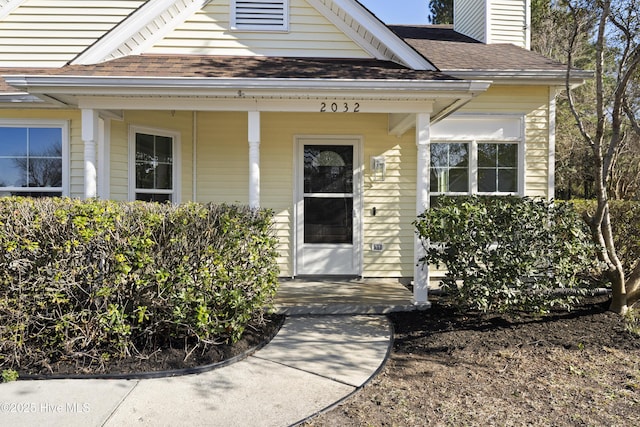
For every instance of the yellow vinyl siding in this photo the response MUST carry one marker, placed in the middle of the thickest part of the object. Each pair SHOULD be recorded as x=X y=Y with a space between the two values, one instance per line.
x=208 y=33
x=533 y=102
x=119 y=161
x=470 y=18
x=394 y=198
x=277 y=180
x=508 y=21
x=222 y=158
x=42 y=33
x=492 y=21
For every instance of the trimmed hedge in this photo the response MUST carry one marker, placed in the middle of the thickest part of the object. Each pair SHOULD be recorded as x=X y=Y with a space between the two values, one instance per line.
x=507 y=253
x=97 y=279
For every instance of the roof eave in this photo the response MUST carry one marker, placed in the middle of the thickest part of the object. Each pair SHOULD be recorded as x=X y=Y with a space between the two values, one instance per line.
x=19 y=98
x=196 y=85
x=529 y=77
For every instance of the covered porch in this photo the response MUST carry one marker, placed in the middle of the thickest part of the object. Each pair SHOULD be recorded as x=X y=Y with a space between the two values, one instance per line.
x=233 y=135
x=324 y=296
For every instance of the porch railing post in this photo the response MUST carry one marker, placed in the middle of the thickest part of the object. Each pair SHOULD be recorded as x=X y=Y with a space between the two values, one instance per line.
x=90 y=130
x=254 y=159
x=423 y=139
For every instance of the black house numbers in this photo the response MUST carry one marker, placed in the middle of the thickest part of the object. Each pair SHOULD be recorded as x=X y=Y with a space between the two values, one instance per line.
x=339 y=107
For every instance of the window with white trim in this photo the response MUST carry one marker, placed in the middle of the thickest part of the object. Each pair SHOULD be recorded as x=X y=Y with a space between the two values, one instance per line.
x=477 y=155
x=260 y=15
x=497 y=167
x=154 y=165
x=33 y=158
x=450 y=168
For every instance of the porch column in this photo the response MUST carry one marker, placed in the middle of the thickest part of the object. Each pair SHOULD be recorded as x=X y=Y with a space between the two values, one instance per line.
x=421 y=273
x=254 y=159
x=90 y=135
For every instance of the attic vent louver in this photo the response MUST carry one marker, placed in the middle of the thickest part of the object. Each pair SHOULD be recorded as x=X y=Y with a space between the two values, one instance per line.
x=260 y=15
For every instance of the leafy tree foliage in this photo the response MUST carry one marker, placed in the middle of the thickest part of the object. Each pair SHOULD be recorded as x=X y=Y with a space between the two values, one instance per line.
x=441 y=11
x=605 y=123
x=552 y=28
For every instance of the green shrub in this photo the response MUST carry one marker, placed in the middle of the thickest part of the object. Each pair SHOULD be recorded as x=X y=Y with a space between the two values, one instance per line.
x=506 y=253
x=9 y=375
x=101 y=279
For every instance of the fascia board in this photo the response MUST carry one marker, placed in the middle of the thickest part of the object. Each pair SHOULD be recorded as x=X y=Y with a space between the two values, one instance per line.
x=159 y=85
x=577 y=77
x=9 y=7
x=19 y=97
x=409 y=55
x=122 y=32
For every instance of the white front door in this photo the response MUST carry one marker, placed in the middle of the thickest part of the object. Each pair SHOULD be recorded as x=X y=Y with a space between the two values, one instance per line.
x=328 y=206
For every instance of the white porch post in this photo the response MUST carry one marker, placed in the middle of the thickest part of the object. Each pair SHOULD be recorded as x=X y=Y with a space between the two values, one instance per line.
x=421 y=273
x=254 y=159
x=90 y=134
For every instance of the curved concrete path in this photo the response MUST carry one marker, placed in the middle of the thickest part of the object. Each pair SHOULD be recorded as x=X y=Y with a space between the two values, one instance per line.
x=311 y=364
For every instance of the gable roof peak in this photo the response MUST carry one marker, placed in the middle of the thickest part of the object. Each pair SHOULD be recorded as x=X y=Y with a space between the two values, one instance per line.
x=147 y=24
x=156 y=19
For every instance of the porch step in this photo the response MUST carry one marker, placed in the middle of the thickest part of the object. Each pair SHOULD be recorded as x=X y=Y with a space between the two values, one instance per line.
x=330 y=297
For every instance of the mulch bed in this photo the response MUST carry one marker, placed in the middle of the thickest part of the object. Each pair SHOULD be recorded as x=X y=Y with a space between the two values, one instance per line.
x=451 y=369
x=165 y=361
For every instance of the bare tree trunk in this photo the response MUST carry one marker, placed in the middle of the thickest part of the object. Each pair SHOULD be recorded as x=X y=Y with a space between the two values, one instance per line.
x=633 y=286
x=608 y=132
x=603 y=234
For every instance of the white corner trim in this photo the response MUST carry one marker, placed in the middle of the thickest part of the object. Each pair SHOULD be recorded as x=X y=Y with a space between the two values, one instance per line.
x=131 y=25
x=527 y=32
x=551 y=192
x=409 y=56
x=8 y=6
x=488 y=28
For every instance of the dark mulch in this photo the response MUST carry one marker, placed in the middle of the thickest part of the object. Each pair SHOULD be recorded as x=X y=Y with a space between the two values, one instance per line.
x=177 y=357
x=452 y=369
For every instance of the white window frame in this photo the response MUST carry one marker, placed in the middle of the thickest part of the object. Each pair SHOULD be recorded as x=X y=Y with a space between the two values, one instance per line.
x=44 y=123
x=175 y=147
x=239 y=26
x=473 y=142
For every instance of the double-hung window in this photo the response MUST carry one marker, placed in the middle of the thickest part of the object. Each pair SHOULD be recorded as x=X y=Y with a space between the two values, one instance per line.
x=33 y=158
x=477 y=155
x=154 y=163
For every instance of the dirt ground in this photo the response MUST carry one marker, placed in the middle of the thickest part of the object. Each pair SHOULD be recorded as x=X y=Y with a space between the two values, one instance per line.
x=452 y=369
x=177 y=357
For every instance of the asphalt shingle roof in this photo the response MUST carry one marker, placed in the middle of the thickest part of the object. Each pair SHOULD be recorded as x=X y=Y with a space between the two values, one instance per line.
x=171 y=66
x=449 y=51
x=249 y=67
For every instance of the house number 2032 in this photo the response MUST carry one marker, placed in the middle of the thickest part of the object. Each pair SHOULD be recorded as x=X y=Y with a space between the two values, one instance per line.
x=339 y=107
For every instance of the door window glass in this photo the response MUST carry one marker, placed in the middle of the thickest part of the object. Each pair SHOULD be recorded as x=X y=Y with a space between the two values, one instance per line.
x=328 y=169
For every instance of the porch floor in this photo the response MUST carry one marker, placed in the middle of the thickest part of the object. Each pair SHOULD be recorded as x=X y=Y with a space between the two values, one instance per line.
x=298 y=297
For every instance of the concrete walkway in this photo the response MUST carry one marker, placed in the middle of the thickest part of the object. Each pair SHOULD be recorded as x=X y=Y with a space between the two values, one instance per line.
x=311 y=364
